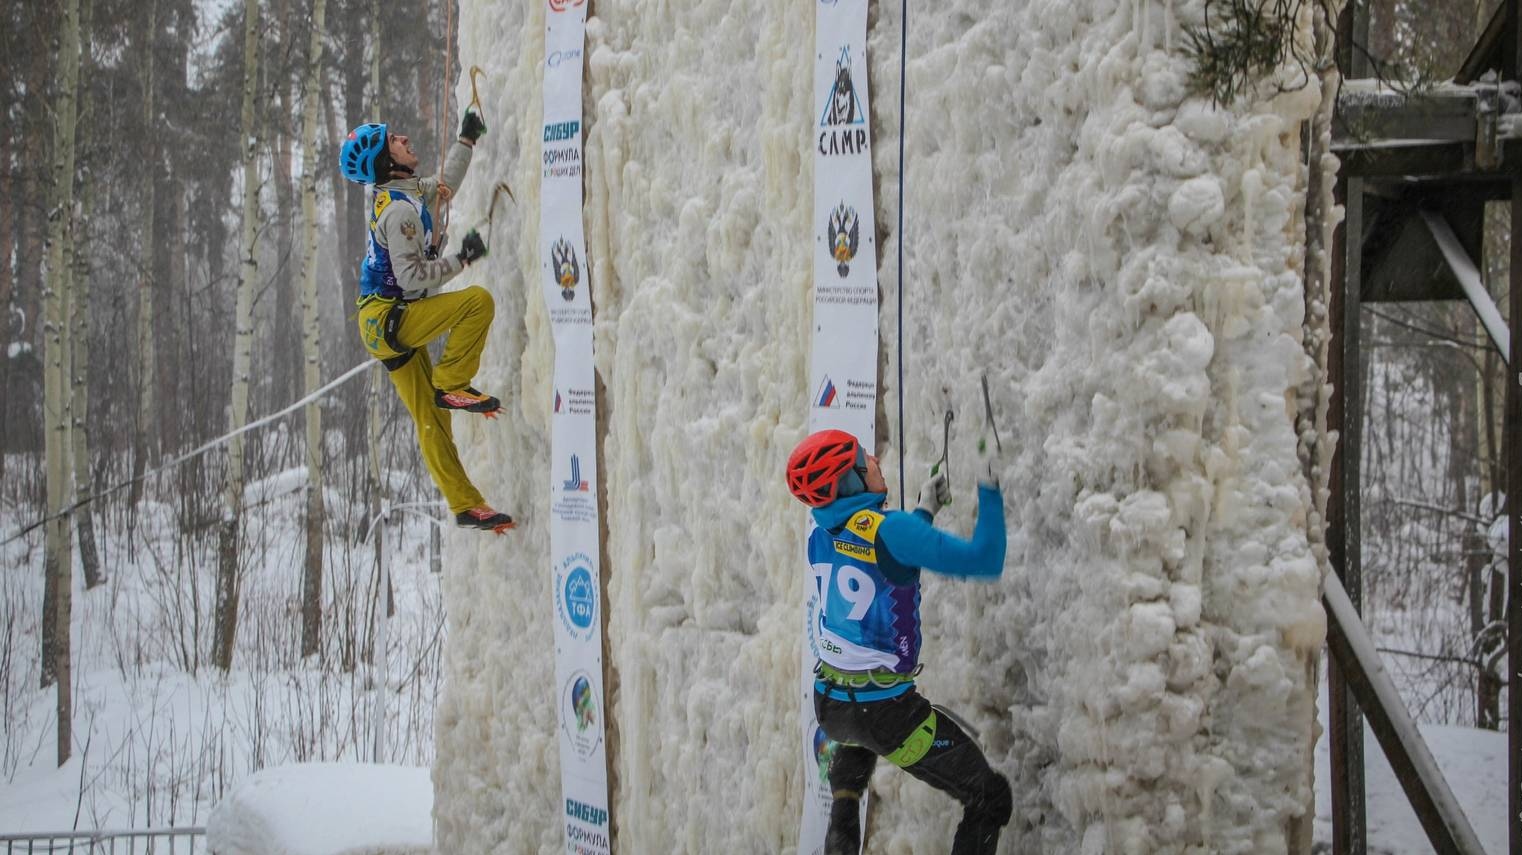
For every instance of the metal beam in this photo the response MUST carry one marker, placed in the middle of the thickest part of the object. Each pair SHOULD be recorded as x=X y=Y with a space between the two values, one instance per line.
x=1487 y=53
x=1349 y=832
x=1447 y=827
x=1469 y=279
x=1370 y=113
x=1512 y=443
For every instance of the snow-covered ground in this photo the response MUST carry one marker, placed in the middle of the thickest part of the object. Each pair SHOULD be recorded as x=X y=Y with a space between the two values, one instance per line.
x=159 y=735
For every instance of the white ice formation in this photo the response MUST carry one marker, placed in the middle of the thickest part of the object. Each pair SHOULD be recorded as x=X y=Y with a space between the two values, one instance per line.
x=1119 y=255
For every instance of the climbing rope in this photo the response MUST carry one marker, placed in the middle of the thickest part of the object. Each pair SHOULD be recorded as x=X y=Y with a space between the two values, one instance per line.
x=445 y=192
x=903 y=76
x=205 y=447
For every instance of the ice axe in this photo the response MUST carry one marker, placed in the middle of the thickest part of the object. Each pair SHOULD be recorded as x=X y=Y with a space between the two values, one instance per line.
x=944 y=464
x=988 y=413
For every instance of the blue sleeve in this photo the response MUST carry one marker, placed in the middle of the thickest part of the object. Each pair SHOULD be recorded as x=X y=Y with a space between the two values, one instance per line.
x=912 y=540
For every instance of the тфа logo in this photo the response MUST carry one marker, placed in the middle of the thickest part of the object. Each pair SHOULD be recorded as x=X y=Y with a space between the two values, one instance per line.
x=827 y=396
x=576 y=596
x=844 y=233
x=567 y=270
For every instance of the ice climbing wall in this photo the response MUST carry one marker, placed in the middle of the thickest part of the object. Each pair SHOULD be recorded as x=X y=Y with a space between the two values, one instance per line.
x=1121 y=258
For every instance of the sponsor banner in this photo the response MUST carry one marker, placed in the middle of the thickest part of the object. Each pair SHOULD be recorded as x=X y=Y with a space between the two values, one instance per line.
x=575 y=530
x=843 y=361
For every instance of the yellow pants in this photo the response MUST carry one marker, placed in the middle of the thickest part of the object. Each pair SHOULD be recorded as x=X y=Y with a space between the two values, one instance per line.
x=465 y=316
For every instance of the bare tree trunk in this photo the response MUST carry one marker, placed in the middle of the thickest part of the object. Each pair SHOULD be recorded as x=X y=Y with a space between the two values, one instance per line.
x=311 y=580
x=227 y=548
x=79 y=322
x=145 y=437
x=58 y=555
x=372 y=412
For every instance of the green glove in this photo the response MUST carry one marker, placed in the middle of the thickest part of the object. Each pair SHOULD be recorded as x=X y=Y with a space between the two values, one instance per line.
x=472 y=127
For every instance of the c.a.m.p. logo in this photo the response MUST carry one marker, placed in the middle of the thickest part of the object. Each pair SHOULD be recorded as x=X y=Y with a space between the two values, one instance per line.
x=843 y=126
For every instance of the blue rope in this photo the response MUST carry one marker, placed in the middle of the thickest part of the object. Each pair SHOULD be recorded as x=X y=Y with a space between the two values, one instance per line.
x=903 y=76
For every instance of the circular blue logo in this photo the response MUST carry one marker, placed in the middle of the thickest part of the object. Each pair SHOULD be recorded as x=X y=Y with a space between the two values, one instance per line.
x=580 y=598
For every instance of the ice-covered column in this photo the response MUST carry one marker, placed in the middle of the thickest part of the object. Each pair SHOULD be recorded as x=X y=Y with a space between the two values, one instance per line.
x=1119 y=255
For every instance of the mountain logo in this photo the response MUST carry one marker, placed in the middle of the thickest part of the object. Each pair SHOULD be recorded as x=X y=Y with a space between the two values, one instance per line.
x=843 y=107
x=558 y=401
x=827 y=396
x=844 y=232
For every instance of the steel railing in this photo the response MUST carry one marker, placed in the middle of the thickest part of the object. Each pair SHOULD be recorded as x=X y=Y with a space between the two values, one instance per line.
x=143 y=841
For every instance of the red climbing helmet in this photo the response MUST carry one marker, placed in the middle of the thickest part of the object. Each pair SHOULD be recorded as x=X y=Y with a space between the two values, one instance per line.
x=815 y=467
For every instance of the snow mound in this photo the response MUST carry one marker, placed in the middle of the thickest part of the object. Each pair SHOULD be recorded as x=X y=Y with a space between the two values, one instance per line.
x=326 y=809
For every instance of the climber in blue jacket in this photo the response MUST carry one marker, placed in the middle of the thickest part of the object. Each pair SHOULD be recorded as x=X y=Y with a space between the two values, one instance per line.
x=866 y=566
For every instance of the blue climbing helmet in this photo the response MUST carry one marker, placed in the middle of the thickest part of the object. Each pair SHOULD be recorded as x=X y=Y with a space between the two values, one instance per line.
x=359 y=152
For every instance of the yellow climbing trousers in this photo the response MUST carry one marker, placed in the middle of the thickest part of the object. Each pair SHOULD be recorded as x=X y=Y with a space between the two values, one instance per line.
x=464 y=316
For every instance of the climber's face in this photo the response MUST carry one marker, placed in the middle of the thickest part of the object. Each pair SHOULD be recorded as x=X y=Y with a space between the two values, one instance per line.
x=874 y=478
x=399 y=146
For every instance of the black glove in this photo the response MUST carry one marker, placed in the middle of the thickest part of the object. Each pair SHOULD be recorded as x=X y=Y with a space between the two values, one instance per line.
x=472 y=127
x=471 y=247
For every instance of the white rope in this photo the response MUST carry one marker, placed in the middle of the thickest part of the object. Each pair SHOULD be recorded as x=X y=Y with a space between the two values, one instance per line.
x=205 y=447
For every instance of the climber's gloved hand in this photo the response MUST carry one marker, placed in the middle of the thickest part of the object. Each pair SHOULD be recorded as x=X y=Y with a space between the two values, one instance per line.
x=472 y=247
x=934 y=494
x=472 y=127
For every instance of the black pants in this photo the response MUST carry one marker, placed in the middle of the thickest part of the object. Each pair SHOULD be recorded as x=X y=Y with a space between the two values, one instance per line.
x=954 y=764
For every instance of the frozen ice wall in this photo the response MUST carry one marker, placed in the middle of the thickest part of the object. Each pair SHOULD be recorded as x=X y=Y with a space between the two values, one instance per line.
x=1120 y=257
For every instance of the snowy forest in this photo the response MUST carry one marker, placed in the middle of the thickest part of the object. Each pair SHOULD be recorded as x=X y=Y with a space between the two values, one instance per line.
x=180 y=260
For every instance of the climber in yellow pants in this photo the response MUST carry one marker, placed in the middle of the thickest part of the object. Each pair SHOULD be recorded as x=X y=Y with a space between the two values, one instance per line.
x=397 y=315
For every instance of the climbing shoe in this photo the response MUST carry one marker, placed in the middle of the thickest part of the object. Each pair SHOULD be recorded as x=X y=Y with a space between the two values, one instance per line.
x=485 y=519
x=469 y=399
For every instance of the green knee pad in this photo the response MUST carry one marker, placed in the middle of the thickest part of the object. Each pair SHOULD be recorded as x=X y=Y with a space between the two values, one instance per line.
x=916 y=746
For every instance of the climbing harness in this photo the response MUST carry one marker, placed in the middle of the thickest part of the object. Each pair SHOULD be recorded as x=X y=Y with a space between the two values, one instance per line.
x=863 y=679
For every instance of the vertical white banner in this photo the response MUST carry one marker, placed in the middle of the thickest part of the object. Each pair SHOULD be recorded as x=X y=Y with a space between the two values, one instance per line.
x=575 y=531
x=843 y=365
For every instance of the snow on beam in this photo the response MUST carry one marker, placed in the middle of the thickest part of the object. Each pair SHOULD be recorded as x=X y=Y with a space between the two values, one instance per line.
x=1469 y=279
x=1431 y=799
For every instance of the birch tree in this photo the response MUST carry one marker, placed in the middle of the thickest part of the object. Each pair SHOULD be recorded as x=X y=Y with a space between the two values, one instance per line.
x=58 y=558
x=227 y=549
x=80 y=307
x=144 y=438
x=311 y=580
